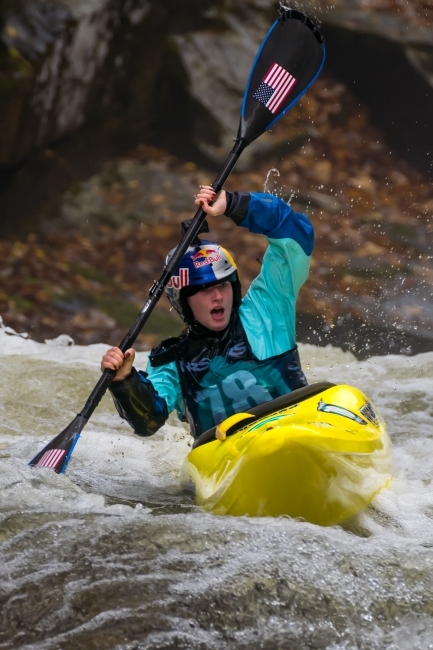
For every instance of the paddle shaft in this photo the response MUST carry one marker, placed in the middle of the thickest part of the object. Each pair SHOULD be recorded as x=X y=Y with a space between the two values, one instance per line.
x=158 y=286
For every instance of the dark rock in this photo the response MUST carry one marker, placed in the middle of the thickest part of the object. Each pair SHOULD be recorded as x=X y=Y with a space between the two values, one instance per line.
x=85 y=60
x=92 y=79
x=386 y=59
x=32 y=28
x=218 y=65
x=400 y=100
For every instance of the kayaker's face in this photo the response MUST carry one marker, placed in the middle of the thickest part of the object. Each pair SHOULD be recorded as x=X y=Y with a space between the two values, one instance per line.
x=212 y=306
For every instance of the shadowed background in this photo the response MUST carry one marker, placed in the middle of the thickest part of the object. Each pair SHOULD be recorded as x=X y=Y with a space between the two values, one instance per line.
x=113 y=112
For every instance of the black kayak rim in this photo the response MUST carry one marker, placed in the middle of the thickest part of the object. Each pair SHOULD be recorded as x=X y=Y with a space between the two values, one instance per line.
x=260 y=411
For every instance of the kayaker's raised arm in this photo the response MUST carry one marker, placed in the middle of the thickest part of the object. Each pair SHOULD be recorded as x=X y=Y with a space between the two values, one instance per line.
x=260 y=213
x=268 y=311
x=269 y=215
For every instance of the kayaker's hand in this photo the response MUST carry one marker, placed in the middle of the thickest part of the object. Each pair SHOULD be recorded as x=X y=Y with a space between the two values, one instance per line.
x=114 y=359
x=207 y=194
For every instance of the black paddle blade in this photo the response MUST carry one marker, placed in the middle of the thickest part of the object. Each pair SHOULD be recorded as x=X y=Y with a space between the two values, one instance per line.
x=287 y=63
x=57 y=453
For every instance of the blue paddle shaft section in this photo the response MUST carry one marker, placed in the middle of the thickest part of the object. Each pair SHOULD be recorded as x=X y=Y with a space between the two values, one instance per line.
x=69 y=454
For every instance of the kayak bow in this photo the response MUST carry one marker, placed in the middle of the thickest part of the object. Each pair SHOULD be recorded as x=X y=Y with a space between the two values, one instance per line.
x=321 y=459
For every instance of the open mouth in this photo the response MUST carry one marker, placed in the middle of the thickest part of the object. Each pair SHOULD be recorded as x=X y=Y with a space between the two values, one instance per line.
x=217 y=313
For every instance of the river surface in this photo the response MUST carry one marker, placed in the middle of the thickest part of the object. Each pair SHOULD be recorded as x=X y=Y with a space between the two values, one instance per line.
x=114 y=555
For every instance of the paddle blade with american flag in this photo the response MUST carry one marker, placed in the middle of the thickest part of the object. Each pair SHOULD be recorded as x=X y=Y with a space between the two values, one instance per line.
x=275 y=87
x=288 y=62
x=57 y=453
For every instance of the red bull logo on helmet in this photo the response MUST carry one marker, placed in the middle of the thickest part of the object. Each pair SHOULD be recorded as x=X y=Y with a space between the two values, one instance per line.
x=179 y=281
x=205 y=256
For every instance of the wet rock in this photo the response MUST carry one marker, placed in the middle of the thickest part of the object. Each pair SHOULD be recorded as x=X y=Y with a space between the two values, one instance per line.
x=218 y=65
x=81 y=61
x=112 y=74
x=65 y=47
x=32 y=28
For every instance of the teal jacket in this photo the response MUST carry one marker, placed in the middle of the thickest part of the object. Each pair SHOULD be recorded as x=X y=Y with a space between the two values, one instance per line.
x=267 y=312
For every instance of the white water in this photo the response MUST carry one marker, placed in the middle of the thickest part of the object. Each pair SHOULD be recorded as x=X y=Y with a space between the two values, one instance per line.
x=114 y=555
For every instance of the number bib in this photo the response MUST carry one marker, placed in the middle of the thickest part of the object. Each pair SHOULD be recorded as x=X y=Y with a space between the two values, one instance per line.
x=220 y=375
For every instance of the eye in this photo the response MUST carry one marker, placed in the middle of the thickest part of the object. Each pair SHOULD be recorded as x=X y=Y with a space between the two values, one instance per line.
x=220 y=285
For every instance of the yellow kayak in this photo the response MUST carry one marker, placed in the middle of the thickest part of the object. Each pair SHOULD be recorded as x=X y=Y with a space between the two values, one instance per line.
x=320 y=453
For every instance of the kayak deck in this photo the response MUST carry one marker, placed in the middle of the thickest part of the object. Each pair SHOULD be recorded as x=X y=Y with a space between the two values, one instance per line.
x=322 y=459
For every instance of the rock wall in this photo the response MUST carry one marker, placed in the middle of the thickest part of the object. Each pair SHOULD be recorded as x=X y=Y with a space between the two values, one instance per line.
x=69 y=63
x=83 y=81
x=383 y=51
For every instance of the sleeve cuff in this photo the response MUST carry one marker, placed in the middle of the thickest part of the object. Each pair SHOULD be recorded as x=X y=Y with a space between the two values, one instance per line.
x=238 y=204
x=118 y=388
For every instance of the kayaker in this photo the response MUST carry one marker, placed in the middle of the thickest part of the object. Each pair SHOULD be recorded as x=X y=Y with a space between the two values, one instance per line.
x=235 y=352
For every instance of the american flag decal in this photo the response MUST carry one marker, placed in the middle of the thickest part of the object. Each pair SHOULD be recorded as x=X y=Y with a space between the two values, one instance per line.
x=51 y=458
x=275 y=86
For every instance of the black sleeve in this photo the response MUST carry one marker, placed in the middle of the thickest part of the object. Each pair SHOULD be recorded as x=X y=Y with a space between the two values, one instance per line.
x=139 y=404
x=238 y=204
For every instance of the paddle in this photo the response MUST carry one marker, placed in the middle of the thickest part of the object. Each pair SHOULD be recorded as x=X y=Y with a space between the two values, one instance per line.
x=287 y=63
